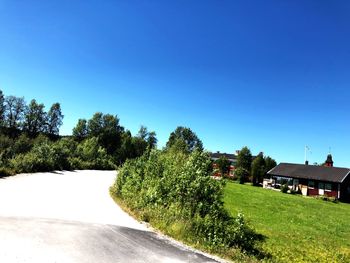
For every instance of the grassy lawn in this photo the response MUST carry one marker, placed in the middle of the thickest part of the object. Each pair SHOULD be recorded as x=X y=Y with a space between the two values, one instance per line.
x=297 y=228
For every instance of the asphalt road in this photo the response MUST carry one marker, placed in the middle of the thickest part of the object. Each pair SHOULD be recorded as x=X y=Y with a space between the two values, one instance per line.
x=70 y=217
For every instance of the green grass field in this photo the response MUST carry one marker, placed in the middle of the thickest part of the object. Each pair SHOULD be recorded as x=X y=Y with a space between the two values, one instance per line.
x=297 y=228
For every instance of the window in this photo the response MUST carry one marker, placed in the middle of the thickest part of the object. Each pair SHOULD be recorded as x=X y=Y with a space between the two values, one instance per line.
x=311 y=184
x=328 y=187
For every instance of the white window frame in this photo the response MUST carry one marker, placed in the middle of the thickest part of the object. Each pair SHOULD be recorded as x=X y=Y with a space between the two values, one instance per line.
x=313 y=183
x=328 y=189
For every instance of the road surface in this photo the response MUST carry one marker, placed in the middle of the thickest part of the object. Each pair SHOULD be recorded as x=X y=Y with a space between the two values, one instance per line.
x=70 y=217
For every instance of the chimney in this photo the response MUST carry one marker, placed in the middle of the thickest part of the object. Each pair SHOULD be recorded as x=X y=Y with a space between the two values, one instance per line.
x=306 y=162
x=329 y=161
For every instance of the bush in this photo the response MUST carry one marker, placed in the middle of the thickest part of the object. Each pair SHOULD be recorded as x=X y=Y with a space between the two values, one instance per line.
x=39 y=159
x=284 y=188
x=174 y=191
x=90 y=155
x=242 y=175
x=4 y=172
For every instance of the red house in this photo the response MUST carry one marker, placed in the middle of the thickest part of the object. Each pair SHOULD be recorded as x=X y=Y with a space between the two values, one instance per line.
x=314 y=180
x=232 y=158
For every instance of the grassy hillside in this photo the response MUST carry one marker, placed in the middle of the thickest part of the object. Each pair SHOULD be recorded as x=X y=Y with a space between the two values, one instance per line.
x=297 y=229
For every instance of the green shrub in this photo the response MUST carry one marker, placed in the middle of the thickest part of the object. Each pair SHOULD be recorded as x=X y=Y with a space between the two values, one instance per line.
x=284 y=188
x=294 y=192
x=242 y=175
x=174 y=191
x=4 y=172
x=90 y=155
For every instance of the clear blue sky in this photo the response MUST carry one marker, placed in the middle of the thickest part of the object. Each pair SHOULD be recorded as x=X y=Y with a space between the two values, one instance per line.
x=272 y=75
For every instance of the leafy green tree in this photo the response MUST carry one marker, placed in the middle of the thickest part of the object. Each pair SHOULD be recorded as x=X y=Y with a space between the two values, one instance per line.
x=80 y=131
x=269 y=164
x=143 y=132
x=107 y=129
x=54 y=119
x=152 y=140
x=34 y=118
x=126 y=149
x=184 y=138
x=223 y=165
x=242 y=174
x=148 y=137
x=14 y=111
x=258 y=169
x=93 y=155
x=22 y=144
x=2 y=109
x=244 y=159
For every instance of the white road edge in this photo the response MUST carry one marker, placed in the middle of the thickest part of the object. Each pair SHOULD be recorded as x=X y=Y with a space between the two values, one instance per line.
x=81 y=196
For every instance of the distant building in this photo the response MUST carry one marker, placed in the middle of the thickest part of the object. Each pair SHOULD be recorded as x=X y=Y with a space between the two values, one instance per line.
x=314 y=180
x=232 y=158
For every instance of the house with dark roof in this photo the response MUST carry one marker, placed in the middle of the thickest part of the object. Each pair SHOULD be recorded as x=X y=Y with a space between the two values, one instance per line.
x=232 y=158
x=314 y=180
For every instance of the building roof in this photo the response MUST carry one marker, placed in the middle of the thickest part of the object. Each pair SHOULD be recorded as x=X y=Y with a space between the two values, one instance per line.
x=313 y=172
x=230 y=157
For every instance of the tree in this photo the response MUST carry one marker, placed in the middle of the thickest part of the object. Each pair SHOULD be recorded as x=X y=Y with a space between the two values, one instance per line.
x=107 y=129
x=269 y=164
x=152 y=140
x=258 y=169
x=148 y=137
x=241 y=174
x=126 y=149
x=223 y=165
x=80 y=131
x=110 y=136
x=185 y=137
x=14 y=111
x=143 y=132
x=54 y=119
x=2 y=109
x=244 y=159
x=34 y=118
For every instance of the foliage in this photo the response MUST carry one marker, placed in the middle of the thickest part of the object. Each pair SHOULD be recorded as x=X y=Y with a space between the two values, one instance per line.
x=241 y=174
x=16 y=117
x=297 y=228
x=80 y=131
x=175 y=192
x=258 y=169
x=39 y=159
x=54 y=119
x=223 y=165
x=92 y=155
x=2 y=108
x=185 y=139
x=244 y=159
x=4 y=172
x=34 y=118
x=269 y=163
x=30 y=141
x=284 y=188
x=14 y=112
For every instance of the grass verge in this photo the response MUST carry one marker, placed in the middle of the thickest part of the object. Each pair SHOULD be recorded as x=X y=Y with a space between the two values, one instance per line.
x=297 y=228
x=178 y=231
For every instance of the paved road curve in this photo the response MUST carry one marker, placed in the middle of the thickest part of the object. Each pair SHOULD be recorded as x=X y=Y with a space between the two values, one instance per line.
x=70 y=217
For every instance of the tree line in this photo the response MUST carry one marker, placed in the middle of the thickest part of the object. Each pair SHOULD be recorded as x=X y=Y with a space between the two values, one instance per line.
x=247 y=168
x=16 y=116
x=30 y=140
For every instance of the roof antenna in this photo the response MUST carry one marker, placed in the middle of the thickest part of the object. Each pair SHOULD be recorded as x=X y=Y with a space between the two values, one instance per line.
x=330 y=150
x=307 y=149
